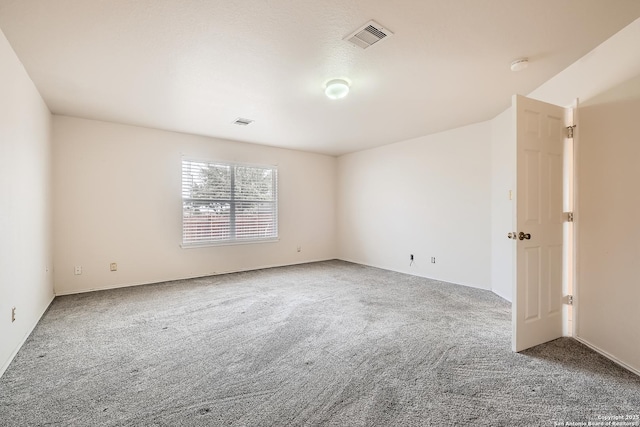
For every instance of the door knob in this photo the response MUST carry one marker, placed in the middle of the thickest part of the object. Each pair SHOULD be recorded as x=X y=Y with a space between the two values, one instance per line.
x=523 y=236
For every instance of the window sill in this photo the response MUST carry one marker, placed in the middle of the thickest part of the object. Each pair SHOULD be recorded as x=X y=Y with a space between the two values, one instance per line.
x=227 y=243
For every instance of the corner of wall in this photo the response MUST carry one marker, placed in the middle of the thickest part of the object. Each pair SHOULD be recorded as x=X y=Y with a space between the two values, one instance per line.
x=420 y=197
x=26 y=265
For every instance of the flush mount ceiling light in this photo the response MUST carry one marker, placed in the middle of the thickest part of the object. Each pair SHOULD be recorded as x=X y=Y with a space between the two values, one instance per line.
x=519 y=64
x=337 y=88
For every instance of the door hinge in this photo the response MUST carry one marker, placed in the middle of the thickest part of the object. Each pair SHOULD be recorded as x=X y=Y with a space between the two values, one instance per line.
x=570 y=131
x=568 y=299
x=568 y=216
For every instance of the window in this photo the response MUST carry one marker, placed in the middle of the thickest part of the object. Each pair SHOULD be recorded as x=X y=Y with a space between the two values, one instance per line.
x=228 y=203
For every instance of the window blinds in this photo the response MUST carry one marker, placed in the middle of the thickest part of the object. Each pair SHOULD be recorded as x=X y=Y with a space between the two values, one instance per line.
x=226 y=203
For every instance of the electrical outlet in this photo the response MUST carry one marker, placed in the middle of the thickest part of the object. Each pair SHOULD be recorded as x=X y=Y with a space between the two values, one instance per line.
x=77 y=270
x=411 y=257
x=433 y=260
x=299 y=248
x=113 y=266
x=13 y=314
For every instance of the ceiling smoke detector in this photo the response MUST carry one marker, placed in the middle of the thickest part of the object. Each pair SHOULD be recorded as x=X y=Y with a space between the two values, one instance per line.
x=367 y=35
x=519 y=64
x=242 y=122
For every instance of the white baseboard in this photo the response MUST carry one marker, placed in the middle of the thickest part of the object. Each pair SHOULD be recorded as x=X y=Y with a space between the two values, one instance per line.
x=24 y=339
x=504 y=297
x=173 y=279
x=608 y=356
x=438 y=279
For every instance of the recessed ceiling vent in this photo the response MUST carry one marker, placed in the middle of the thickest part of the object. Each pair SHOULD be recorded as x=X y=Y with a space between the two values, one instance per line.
x=368 y=35
x=242 y=122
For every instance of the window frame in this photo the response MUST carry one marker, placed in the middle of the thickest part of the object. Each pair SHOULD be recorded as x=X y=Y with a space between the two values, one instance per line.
x=232 y=201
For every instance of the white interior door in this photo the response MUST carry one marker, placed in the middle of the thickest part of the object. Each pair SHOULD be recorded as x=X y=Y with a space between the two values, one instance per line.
x=537 y=302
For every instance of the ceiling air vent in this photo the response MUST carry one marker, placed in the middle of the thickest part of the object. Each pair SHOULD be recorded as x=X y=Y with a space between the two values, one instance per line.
x=369 y=34
x=242 y=122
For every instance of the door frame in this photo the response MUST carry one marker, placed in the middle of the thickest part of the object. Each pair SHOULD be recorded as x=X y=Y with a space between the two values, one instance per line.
x=572 y=311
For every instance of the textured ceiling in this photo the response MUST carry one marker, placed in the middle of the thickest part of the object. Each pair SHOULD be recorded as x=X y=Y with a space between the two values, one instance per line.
x=196 y=65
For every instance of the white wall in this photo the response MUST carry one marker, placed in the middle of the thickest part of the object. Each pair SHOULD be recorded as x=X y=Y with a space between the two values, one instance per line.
x=615 y=61
x=25 y=204
x=609 y=234
x=503 y=179
x=429 y=196
x=117 y=198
